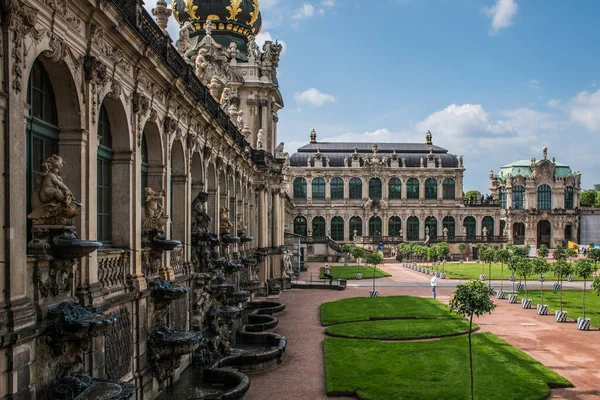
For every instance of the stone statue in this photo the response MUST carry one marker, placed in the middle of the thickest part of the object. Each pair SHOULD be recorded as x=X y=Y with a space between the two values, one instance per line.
x=200 y=63
x=225 y=98
x=345 y=161
x=403 y=162
x=421 y=162
x=308 y=161
x=355 y=232
x=484 y=232
x=286 y=164
x=226 y=224
x=505 y=232
x=445 y=232
x=260 y=140
x=427 y=239
x=184 y=43
x=460 y=161
x=200 y=219
x=246 y=132
x=440 y=161
x=545 y=152
x=233 y=111
x=464 y=231
x=208 y=27
x=232 y=51
x=154 y=217
x=241 y=227
x=214 y=87
x=401 y=233
x=52 y=203
x=253 y=49
x=279 y=150
x=240 y=119
x=287 y=264
x=327 y=162
x=367 y=204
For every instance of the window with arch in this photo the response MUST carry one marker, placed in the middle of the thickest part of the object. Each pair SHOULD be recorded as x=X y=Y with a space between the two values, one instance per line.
x=395 y=189
x=430 y=189
x=544 y=197
x=375 y=226
x=412 y=229
x=318 y=189
x=450 y=224
x=431 y=226
x=41 y=129
x=300 y=189
x=355 y=225
x=145 y=166
x=518 y=197
x=355 y=189
x=337 y=189
x=318 y=227
x=412 y=189
x=300 y=226
x=471 y=226
x=337 y=229
x=449 y=189
x=375 y=189
x=104 y=176
x=394 y=226
x=503 y=203
x=488 y=223
x=569 y=198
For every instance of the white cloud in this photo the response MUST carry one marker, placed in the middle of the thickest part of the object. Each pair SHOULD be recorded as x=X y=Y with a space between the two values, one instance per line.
x=328 y=3
x=264 y=36
x=314 y=97
x=307 y=10
x=268 y=4
x=585 y=110
x=502 y=14
x=533 y=84
x=554 y=103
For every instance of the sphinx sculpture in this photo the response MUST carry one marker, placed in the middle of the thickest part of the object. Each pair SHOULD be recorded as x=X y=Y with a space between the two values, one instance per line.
x=226 y=224
x=154 y=217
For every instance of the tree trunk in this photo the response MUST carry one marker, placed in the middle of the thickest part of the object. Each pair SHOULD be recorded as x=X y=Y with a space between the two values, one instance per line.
x=583 y=299
x=471 y=357
x=542 y=292
x=501 y=277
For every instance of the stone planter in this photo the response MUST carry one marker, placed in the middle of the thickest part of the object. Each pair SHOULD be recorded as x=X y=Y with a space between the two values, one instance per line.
x=482 y=277
x=512 y=298
x=374 y=293
x=520 y=286
x=437 y=274
x=358 y=276
x=571 y=278
x=526 y=303
x=500 y=295
x=561 y=316
x=557 y=286
x=541 y=278
x=512 y=278
x=583 y=324
x=542 y=309
x=443 y=275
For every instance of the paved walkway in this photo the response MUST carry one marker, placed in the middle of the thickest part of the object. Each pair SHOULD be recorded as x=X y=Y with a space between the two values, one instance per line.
x=571 y=353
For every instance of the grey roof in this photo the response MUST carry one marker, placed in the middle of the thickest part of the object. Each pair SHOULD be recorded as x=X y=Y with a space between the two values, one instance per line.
x=337 y=151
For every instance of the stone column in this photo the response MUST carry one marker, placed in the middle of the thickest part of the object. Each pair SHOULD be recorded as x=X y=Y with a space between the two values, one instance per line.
x=421 y=228
x=327 y=188
x=262 y=228
x=509 y=202
x=478 y=225
x=346 y=188
x=309 y=189
x=180 y=208
x=276 y=218
x=421 y=189
x=403 y=189
x=440 y=188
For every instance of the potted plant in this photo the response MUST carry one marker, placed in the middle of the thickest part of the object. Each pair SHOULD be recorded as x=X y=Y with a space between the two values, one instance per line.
x=561 y=269
x=444 y=252
x=358 y=253
x=524 y=268
x=374 y=259
x=346 y=249
x=584 y=268
x=540 y=267
x=513 y=267
x=502 y=256
x=462 y=247
x=483 y=256
x=472 y=299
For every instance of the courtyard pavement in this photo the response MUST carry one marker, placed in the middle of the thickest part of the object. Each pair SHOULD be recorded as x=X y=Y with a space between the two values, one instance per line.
x=561 y=347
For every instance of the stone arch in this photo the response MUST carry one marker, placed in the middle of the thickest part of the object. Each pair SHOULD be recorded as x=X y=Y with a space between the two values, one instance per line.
x=197 y=172
x=155 y=155
x=213 y=193
x=180 y=206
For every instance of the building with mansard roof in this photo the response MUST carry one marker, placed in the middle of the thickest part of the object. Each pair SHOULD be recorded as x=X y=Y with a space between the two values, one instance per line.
x=384 y=192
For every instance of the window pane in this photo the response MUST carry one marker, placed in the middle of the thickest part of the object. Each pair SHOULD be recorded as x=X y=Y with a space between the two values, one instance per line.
x=395 y=189
x=318 y=189
x=449 y=189
x=375 y=189
x=355 y=189
x=431 y=189
x=337 y=189
x=412 y=189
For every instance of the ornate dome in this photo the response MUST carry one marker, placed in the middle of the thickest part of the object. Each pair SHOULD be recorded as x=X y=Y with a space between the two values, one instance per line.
x=237 y=17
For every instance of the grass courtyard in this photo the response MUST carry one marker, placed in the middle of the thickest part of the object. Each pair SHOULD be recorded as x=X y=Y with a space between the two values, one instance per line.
x=434 y=369
x=571 y=302
x=349 y=272
x=472 y=271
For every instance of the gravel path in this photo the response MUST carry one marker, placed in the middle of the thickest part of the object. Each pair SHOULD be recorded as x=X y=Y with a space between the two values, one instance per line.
x=563 y=348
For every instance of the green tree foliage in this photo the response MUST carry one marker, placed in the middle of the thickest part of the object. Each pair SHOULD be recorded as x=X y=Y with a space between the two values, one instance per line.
x=540 y=267
x=374 y=259
x=347 y=248
x=469 y=299
x=524 y=268
x=462 y=247
x=501 y=256
x=473 y=192
x=357 y=252
x=543 y=251
x=559 y=254
x=561 y=268
x=588 y=198
x=584 y=268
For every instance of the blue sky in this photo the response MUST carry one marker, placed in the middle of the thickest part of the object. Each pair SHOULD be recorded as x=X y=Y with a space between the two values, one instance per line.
x=494 y=80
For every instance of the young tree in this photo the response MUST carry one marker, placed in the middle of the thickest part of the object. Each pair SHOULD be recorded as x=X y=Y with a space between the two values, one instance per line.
x=543 y=251
x=374 y=259
x=561 y=269
x=594 y=256
x=472 y=299
x=524 y=268
x=540 y=267
x=462 y=247
x=584 y=268
x=502 y=256
x=346 y=249
x=357 y=252
x=443 y=252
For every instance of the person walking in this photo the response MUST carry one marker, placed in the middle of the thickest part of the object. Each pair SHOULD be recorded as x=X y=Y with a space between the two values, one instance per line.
x=327 y=274
x=434 y=283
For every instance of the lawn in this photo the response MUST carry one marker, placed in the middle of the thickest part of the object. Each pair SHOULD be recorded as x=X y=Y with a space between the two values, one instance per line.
x=437 y=369
x=400 y=329
x=350 y=272
x=366 y=308
x=571 y=302
x=472 y=271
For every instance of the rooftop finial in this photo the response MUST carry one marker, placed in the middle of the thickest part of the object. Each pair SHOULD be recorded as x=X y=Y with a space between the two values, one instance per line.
x=545 y=152
x=313 y=136
x=428 y=138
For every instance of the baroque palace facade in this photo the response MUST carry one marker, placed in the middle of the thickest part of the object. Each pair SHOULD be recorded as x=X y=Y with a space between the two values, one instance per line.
x=142 y=127
x=395 y=192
